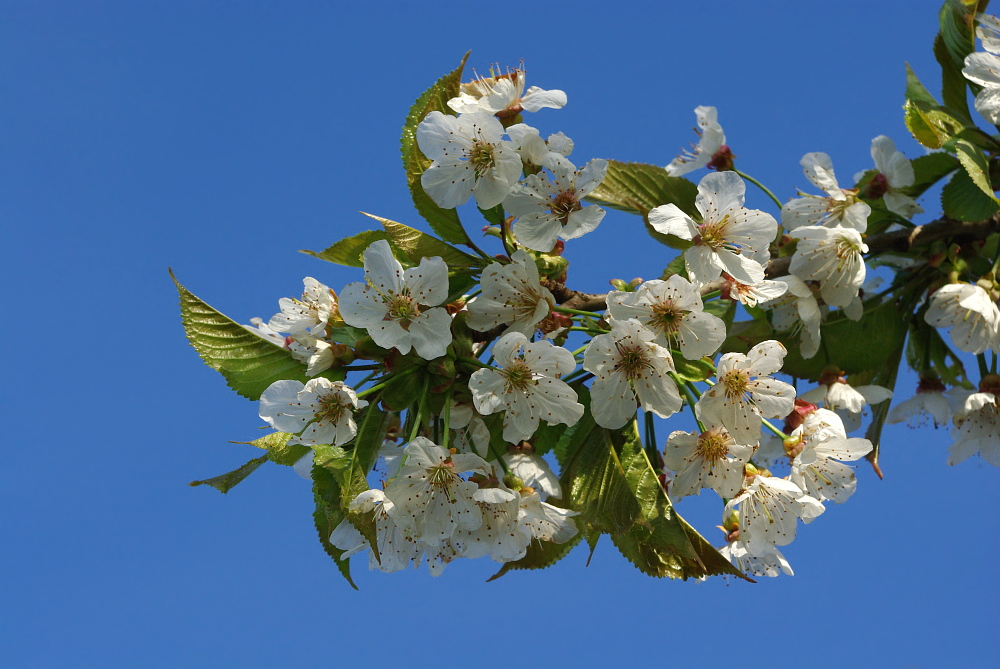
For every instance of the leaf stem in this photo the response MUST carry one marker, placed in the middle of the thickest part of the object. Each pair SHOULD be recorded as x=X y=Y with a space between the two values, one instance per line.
x=760 y=186
x=447 y=420
x=773 y=429
x=689 y=395
x=983 y=369
x=380 y=386
x=577 y=312
x=421 y=412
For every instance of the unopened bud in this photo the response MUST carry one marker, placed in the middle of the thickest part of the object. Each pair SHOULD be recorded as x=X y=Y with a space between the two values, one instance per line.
x=513 y=481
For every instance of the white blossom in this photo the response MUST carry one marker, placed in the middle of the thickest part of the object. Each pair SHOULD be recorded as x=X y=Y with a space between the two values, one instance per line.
x=470 y=158
x=630 y=368
x=894 y=172
x=768 y=511
x=745 y=392
x=771 y=562
x=710 y=459
x=512 y=296
x=396 y=548
x=711 y=138
x=321 y=410
x=549 y=209
x=834 y=257
x=503 y=95
x=399 y=309
x=307 y=316
x=977 y=430
x=545 y=522
x=797 y=311
x=816 y=469
x=984 y=69
x=534 y=472
x=674 y=312
x=970 y=313
x=840 y=207
x=527 y=386
x=730 y=237
x=262 y=330
x=534 y=150
x=929 y=400
x=835 y=393
x=749 y=295
x=430 y=500
x=316 y=353
x=500 y=536
x=471 y=433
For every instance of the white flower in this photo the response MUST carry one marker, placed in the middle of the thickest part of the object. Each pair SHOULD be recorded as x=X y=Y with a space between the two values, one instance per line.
x=471 y=433
x=770 y=562
x=988 y=32
x=469 y=159
x=834 y=392
x=711 y=459
x=316 y=353
x=895 y=172
x=395 y=546
x=392 y=305
x=534 y=472
x=630 y=368
x=970 y=313
x=729 y=239
x=261 y=329
x=840 y=207
x=984 y=69
x=977 y=429
x=750 y=295
x=500 y=535
x=503 y=95
x=929 y=400
x=549 y=209
x=393 y=455
x=534 y=150
x=797 y=311
x=512 y=295
x=544 y=521
x=745 y=391
x=430 y=499
x=674 y=312
x=322 y=410
x=769 y=509
x=824 y=441
x=307 y=316
x=834 y=257
x=527 y=386
x=711 y=139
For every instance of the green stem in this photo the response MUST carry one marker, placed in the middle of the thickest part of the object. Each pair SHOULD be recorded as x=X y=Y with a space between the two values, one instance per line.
x=577 y=312
x=366 y=379
x=709 y=296
x=406 y=372
x=983 y=369
x=505 y=238
x=598 y=331
x=772 y=428
x=473 y=361
x=421 y=412
x=689 y=396
x=760 y=186
x=581 y=349
x=503 y=463
x=472 y=245
x=447 y=420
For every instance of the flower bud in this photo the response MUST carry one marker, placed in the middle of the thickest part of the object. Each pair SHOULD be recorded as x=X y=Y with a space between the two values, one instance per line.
x=513 y=481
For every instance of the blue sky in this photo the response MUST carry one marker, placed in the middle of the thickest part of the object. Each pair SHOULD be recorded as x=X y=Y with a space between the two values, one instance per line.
x=219 y=138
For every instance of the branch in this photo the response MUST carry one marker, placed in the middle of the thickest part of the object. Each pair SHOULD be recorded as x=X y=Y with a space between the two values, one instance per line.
x=897 y=241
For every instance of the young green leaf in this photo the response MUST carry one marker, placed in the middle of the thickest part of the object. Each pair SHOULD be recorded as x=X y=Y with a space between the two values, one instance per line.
x=226 y=482
x=328 y=514
x=348 y=251
x=417 y=245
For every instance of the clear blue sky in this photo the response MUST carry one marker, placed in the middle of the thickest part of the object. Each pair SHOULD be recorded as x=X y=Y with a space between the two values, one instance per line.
x=219 y=138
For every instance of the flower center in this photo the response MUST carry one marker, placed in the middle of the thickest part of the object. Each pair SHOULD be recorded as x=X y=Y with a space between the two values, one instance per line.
x=667 y=317
x=518 y=377
x=631 y=360
x=442 y=474
x=712 y=445
x=402 y=308
x=481 y=157
x=330 y=410
x=713 y=235
x=736 y=383
x=564 y=204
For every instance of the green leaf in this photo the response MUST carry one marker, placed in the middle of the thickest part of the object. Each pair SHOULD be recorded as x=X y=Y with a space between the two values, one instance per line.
x=693 y=370
x=954 y=42
x=916 y=91
x=328 y=514
x=367 y=442
x=348 y=251
x=226 y=482
x=417 y=245
x=963 y=200
x=346 y=334
x=249 y=363
x=659 y=544
x=541 y=554
x=278 y=449
x=930 y=169
x=920 y=126
x=976 y=165
x=637 y=188
x=547 y=436
x=597 y=485
x=444 y=222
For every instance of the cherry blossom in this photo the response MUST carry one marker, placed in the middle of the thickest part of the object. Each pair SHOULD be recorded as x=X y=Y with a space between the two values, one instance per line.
x=470 y=158
x=769 y=509
x=544 y=521
x=977 y=430
x=984 y=68
x=534 y=472
x=835 y=258
x=839 y=208
x=547 y=210
x=306 y=316
x=797 y=311
x=711 y=139
x=971 y=314
x=770 y=562
x=526 y=387
x=396 y=548
x=834 y=392
x=730 y=237
x=504 y=96
x=711 y=459
x=630 y=368
x=674 y=312
x=745 y=392
x=929 y=400
x=750 y=295
x=500 y=536
x=535 y=151
x=399 y=309
x=893 y=173
x=512 y=296
x=321 y=410
x=824 y=441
